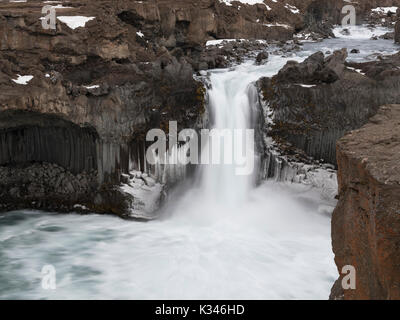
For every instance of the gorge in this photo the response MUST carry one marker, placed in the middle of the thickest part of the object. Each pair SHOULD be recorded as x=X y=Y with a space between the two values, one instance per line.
x=72 y=140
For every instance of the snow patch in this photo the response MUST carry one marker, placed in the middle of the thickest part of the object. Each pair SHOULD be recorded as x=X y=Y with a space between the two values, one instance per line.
x=385 y=10
x=251 y=2
x=145 y=193
x=293 y=9
x=357 y=70
x=23 y=79
x=307 y=85
x=74 y=22
x=92 y=87
x=220 y=41
x=277 y=25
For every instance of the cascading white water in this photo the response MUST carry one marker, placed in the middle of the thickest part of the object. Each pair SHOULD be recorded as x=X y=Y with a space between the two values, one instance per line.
x=219 y=239
x=232 y=106
x=230 y=110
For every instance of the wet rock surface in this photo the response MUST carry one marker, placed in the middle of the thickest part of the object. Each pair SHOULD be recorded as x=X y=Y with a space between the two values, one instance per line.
x=127 y=70
x=316 y=102
x=366 y=222
x=113 y=77
x=44 y=186
x=397 y=32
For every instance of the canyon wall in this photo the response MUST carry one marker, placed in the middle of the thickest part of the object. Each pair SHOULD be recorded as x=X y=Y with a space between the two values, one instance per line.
x=316 y=102
x=366 y=221
x=96 y=90
x=104 y=85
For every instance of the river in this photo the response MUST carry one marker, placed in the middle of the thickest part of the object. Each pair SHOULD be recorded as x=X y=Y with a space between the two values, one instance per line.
x=221 y=238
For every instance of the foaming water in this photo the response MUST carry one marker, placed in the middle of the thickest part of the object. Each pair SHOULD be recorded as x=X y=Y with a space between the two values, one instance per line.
x=277 y=246
x=220 y=238
x=358 y=32
x=232 y=99
x=359 y=38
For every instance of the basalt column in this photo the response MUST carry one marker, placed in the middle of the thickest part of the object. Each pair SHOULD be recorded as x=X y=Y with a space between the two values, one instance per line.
x=46 y=162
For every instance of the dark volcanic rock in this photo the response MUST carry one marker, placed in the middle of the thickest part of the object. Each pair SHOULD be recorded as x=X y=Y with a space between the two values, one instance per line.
x=315 y=102
x=366 y=221
x=126 y=71
x=312 y=70
x=44 y=186
x=262 y=57
x=94 y=94
x=397 y=32
x=226 y=53
x=388 y=36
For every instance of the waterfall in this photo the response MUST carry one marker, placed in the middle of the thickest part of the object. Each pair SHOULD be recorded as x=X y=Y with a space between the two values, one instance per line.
x=234 y=104
x=230 y=106
x=209 y=242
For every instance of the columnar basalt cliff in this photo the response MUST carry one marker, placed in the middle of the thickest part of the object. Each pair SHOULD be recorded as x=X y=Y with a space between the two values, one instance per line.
x=92 y=92
x=316 y=102
x=366 y=222
x=76 y=103
x=95 y=90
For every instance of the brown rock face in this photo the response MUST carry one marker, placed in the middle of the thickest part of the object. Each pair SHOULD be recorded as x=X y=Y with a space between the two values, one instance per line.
x=366 y=222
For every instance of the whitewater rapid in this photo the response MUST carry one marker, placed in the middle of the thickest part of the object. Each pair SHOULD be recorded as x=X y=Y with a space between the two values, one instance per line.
x=277 y=246
x=219 y=238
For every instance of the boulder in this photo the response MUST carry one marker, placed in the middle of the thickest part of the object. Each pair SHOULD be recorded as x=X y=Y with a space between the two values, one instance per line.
x=261 y=57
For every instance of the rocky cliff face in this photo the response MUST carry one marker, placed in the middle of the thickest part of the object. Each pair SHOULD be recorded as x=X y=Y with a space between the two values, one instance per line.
x=397 y=28
x=81 y=99
x=95 y=90
x=366 y=222
x=315 y=102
